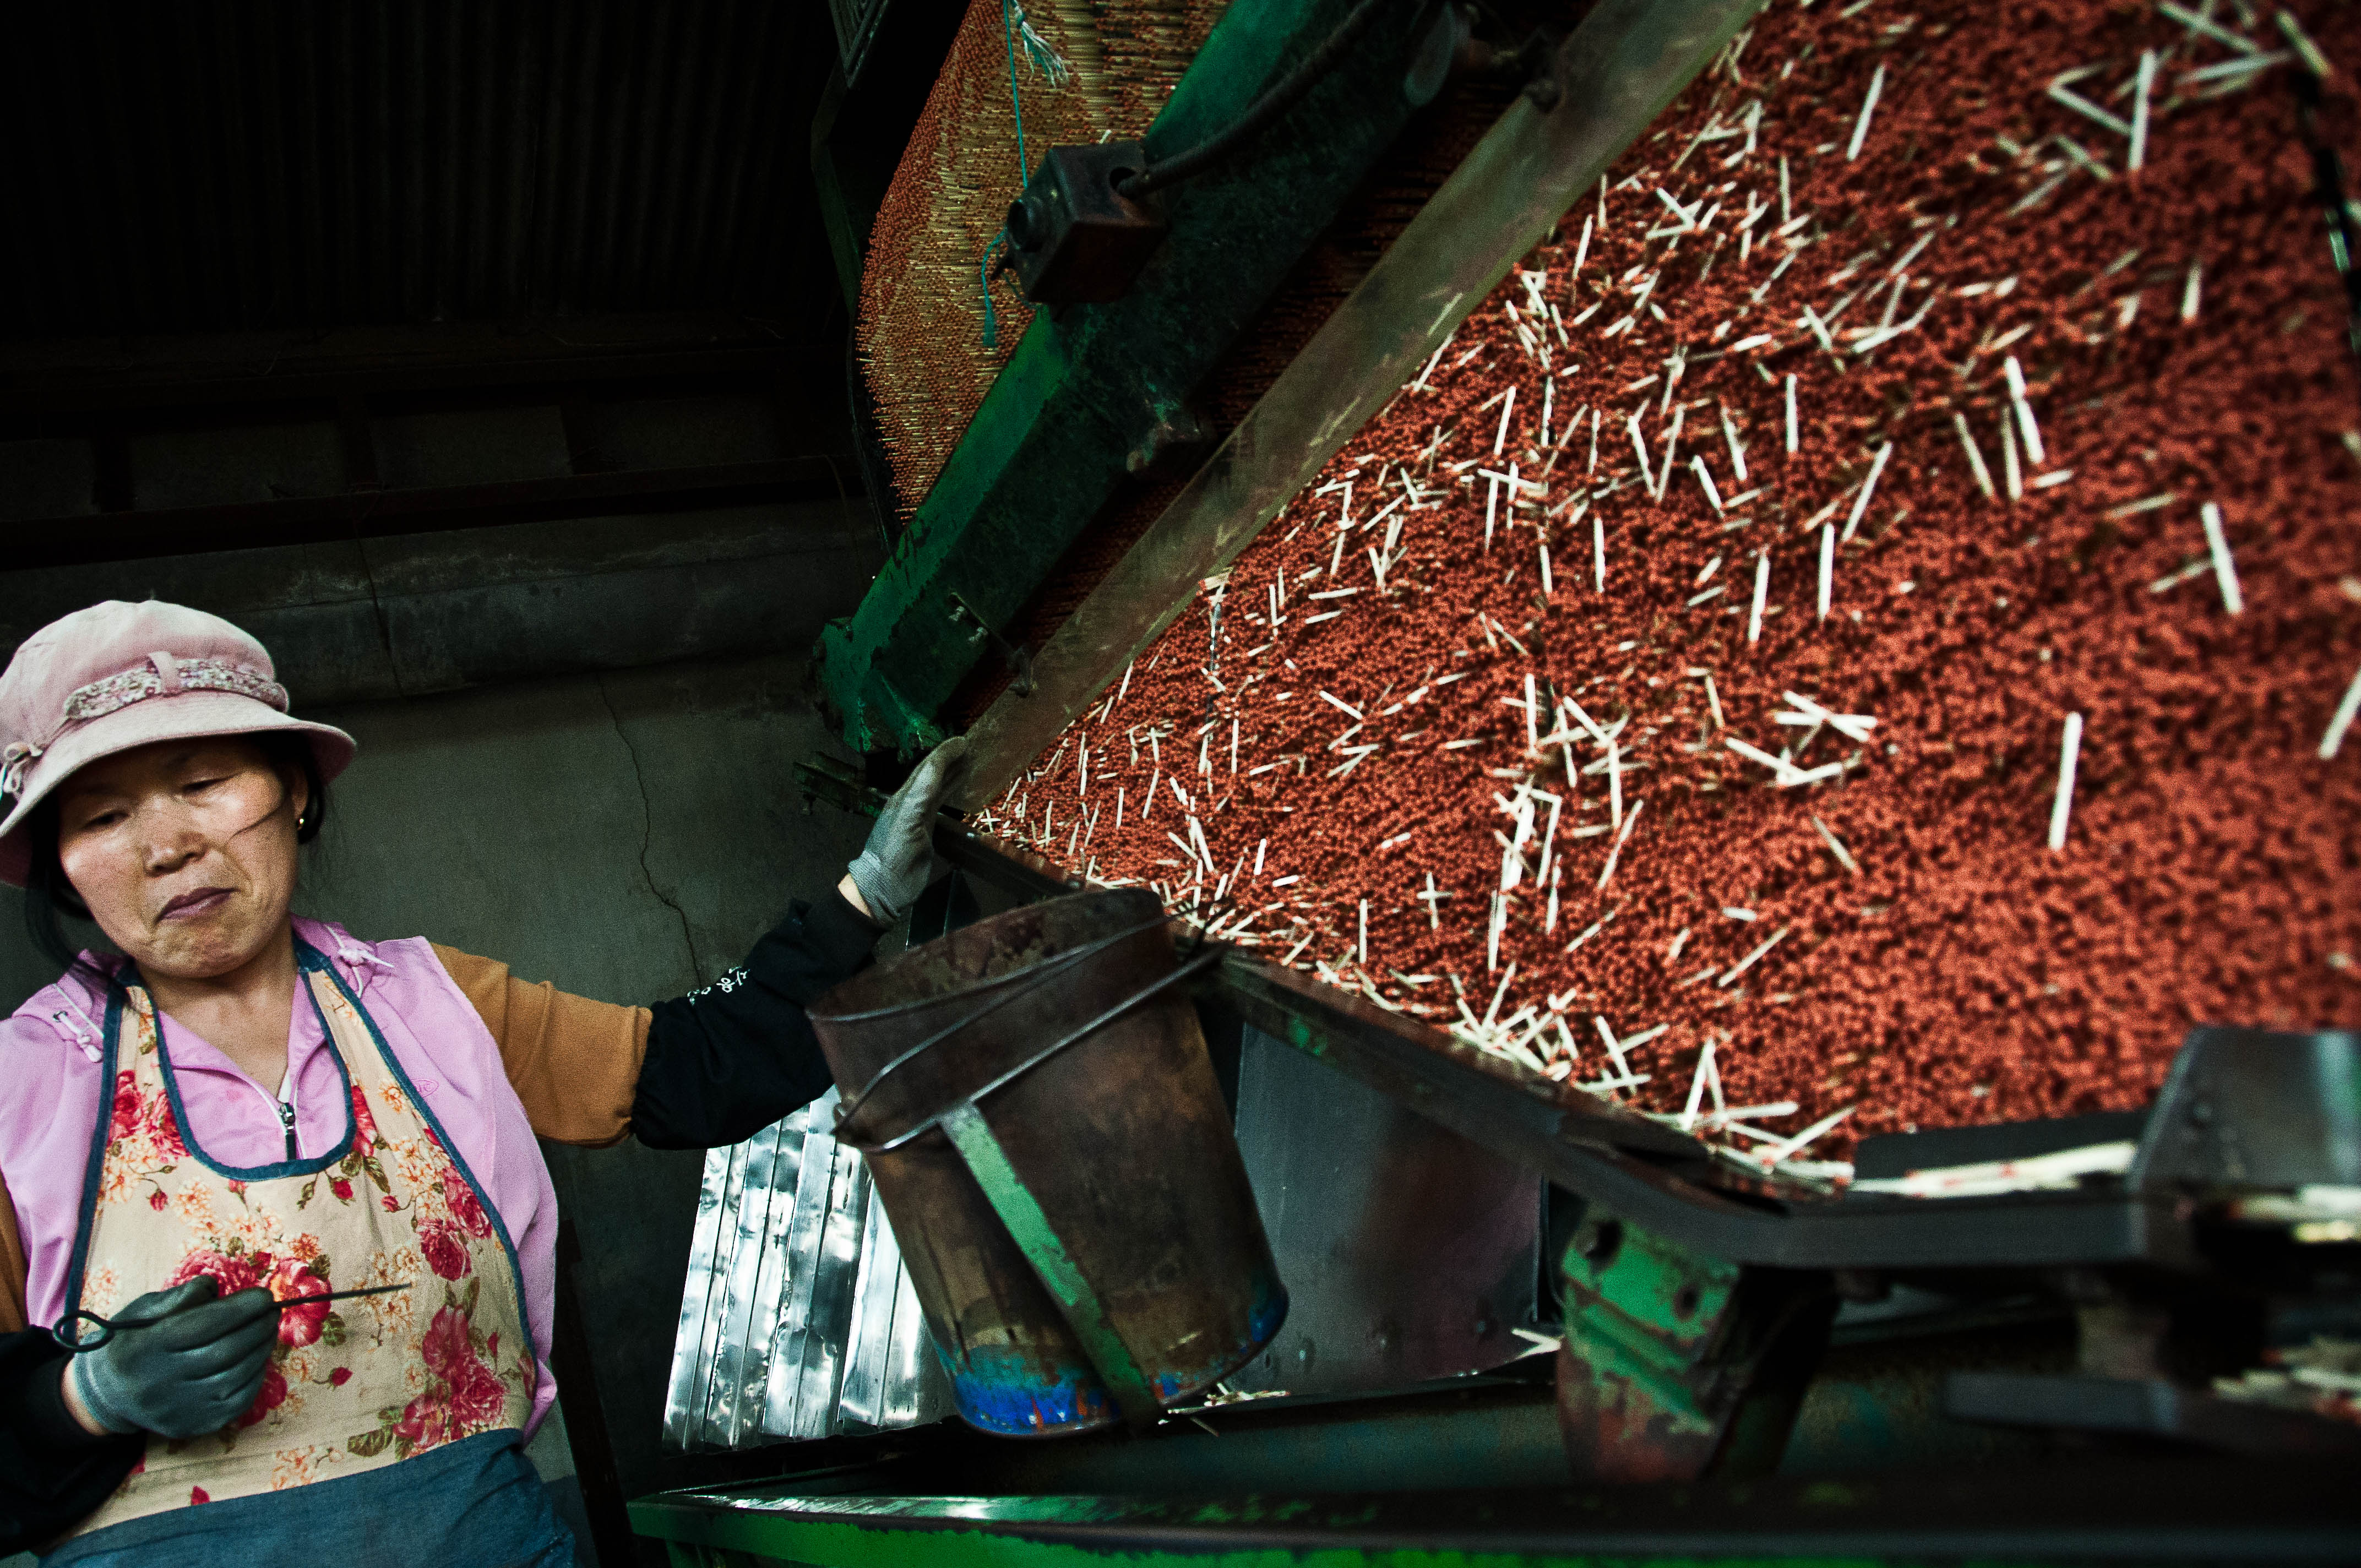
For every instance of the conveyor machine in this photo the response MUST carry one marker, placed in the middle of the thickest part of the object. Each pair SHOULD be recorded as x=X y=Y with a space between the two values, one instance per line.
x=1529 y=1325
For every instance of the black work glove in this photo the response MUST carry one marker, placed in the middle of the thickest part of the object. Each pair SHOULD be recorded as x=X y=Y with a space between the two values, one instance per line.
x=898 y=861
x=195 y=1370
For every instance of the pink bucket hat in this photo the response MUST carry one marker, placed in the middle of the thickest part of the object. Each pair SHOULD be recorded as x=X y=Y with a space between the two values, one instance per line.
x=117 y=675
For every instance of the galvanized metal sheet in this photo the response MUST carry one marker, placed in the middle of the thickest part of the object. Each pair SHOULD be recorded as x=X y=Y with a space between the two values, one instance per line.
x=727 y=1412
x=891 y=1377
x=772 y=1280
x=684 y=1390
x=862 y=1391
x=810 y=1196
x=725 y=1244
x=831 y=1202
x=788 y=1253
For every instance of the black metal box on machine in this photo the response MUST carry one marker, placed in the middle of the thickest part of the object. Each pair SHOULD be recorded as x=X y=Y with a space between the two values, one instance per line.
x=1076 y=237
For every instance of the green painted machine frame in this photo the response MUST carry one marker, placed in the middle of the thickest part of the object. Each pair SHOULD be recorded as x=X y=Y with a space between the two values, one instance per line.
x=2084 y=1515
x=1678 y=1365
x=1092 y=392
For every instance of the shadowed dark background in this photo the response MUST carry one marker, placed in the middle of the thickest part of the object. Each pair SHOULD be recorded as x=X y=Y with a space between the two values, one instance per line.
x=489 y=363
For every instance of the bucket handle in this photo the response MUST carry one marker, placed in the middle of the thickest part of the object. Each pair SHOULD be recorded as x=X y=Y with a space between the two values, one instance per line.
x=1041 y=974
x=1020 y=1212
x=1203 y=960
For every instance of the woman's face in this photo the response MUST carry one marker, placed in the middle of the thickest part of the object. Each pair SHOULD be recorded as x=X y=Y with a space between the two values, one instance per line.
x=184 y=852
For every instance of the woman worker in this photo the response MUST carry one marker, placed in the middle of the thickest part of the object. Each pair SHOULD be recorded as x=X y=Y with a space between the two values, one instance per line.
x=211 y=1139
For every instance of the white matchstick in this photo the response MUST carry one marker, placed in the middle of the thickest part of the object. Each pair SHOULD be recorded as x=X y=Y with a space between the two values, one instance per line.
x=2342 y=721
x=2138 y=154
x=1868 y=107
x=1868 y=488
x=2225 y=571
x=2068 y=751
x=1975 y=456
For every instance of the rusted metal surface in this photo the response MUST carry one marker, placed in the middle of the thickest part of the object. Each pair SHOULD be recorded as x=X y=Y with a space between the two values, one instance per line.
x=1122 y=1145
x=1472 y=1091
x=1615 y=72
x=1675 y=1364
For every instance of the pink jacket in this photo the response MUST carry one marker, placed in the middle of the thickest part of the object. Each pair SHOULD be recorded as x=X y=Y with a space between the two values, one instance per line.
x=50 y=1053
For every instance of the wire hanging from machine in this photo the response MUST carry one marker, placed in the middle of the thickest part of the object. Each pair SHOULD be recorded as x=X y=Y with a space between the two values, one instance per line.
x=1018 y=29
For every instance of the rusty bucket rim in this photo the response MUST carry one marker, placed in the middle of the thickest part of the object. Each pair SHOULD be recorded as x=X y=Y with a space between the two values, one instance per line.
x=989 y=983
x=972 y=1100
x=1036 y=976
x=1033 y=976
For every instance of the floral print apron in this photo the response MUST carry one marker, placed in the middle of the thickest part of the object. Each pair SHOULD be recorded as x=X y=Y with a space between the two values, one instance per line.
x=352 y=1386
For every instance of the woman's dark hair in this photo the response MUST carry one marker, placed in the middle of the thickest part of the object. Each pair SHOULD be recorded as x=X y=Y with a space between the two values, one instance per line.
x=48 y=894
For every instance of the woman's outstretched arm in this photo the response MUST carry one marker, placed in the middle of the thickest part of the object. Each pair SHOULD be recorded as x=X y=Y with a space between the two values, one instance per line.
x=711 y=1067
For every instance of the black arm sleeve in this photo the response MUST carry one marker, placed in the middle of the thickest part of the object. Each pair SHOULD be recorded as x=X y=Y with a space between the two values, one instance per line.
x=725 y=1061
x=51 y=1472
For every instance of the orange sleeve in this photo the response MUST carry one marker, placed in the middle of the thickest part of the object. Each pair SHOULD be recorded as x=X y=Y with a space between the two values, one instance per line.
x=13 y=1269
x=574 y=1062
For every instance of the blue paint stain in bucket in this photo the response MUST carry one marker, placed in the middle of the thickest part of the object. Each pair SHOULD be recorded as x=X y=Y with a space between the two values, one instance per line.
x=1006 y=1393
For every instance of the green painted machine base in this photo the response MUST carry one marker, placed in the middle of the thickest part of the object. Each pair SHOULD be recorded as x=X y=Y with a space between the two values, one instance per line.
x=2147 y=1515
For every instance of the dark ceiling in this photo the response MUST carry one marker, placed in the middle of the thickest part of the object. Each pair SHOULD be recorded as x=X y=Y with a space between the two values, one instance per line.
x=190 y=168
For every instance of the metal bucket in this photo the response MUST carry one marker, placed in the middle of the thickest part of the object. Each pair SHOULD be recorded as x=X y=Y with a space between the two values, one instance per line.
x=1045 y=1129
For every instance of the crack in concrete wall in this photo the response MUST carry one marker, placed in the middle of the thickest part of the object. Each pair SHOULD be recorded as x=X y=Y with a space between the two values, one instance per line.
x=647 y=835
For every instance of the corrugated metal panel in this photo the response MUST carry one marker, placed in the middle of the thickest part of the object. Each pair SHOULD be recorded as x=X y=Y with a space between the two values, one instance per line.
x=798 y=1318
x=183 y=168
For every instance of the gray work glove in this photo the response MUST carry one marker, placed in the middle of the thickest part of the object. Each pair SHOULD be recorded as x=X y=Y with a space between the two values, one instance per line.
x=194 y=1371
x=898 y=861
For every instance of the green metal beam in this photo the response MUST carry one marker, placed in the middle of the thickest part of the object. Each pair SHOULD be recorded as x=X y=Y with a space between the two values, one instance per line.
x=1087 y=1530
x=1049 y=447
x=2082 y=1510
x=1616 y=74
x=1676 y=1363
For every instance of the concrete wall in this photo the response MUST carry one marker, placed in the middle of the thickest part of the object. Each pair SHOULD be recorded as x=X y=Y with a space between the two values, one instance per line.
x=352 y=612
x=349 y=620
x=626 y=835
